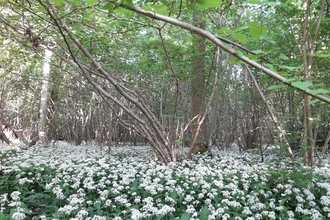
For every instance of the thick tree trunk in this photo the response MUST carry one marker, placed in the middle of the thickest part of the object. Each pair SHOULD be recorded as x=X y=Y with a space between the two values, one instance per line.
x=198 y=104
x=42 y=123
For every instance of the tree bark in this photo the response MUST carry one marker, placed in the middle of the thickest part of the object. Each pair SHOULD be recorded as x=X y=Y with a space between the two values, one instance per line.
x=198 y=103
x=307 y=50
x=42 y=122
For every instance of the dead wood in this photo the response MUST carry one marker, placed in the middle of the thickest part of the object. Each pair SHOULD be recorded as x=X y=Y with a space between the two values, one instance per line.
x=18 y=134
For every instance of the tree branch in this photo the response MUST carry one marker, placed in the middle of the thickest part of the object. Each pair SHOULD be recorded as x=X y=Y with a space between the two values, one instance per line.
x=213 y=38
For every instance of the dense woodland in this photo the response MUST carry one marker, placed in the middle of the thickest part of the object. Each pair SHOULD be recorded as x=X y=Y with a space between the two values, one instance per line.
x=168 y=73
x=169 y=109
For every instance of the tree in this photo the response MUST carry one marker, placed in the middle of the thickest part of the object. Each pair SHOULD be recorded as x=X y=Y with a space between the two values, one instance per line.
x=44 y=94
x=103 y=58
x=198 y=91
x=309 y=134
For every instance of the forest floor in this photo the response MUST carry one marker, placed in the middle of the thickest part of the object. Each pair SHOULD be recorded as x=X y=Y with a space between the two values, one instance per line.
x=82 y=182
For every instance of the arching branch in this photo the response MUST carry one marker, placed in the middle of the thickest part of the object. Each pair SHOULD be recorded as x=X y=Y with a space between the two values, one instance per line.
x=215 y=39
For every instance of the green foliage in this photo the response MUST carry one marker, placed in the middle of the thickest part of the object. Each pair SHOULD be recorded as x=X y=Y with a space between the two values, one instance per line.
x=256 y=29
x=272 y=87
x=297 y=176
x=58 y=2
x=302 y=85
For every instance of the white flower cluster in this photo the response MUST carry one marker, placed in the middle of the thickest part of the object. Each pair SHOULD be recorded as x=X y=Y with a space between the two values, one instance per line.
x=88 y=185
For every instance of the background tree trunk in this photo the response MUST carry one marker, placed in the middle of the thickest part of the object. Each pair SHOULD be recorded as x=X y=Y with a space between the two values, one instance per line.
x=42 y=122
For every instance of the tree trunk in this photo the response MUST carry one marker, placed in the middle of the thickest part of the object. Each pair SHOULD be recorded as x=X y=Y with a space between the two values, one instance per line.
x=42 y=122
x=198 y=103
x=307 y=50
x=272 y=115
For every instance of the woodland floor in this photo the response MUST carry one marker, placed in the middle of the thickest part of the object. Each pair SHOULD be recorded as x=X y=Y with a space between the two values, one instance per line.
x=82 y=182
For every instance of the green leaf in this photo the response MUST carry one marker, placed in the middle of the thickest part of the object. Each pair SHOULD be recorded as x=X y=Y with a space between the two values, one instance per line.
x=322 y=55
x=91 y=2
x=289 y=67
x=226 y=30
x=108 y=6
x=319 y=91
x=314 y=101
x=269 y=66
x=185 y=216
x=204 y=213
x=205 y=4
x=233 y=60
x=290 y=80
x=173 y=195
x=301 y=85
x=258 y=51
x=319 y=85
x=159 y=9
x=240 y=53
x=240 y=38
x=283 y=57
x=267 y=38
x=272 y=87
x=284 y=74
x=128 y=3
x=256 y=29
x=58 y=2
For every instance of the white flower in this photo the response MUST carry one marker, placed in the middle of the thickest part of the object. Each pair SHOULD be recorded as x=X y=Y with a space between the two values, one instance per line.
x=208 y=201
x=300 y=199
x=121 y=199
x=279 y=208
x=316 y=214
x=189 y=198
x=81 y=214
x=18 y=216
x=67 y=209
x=137 y=199
x=271 y=215
x=58 y=192
x=290 y=214
x=280 y=186
x=24 y=180
x=165 y=209
x=15 y=195
x=3 y=198
x=136 y=214
x=97 y=217
x=247 y=211
x=258 y=206
x=226 y=216
x=190 y=209
x=325 y=200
